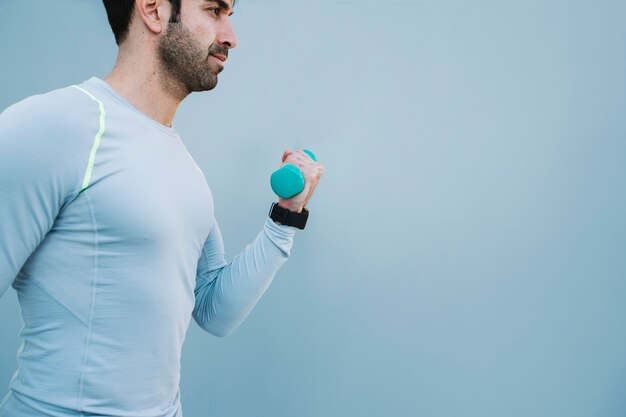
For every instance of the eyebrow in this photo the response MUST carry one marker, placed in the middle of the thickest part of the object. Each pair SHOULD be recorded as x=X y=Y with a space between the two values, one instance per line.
x=222 y=4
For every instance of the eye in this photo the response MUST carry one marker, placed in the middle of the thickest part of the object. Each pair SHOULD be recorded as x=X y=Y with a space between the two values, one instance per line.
x=215 y=10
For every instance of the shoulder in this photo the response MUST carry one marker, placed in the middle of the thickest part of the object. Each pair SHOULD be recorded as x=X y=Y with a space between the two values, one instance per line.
x=60 y=121
x=50 y=134
x=67 y=107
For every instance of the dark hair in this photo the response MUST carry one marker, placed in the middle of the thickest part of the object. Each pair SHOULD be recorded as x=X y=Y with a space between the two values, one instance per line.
x=120 y=13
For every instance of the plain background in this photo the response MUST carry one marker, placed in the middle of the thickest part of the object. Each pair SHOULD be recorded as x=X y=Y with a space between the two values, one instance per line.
x=466 y=252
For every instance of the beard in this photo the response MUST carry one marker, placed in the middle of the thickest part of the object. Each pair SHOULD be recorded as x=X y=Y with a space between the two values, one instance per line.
x=186 y=64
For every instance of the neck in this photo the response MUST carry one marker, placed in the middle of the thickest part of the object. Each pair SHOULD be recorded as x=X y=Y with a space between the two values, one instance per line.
x=142 y=82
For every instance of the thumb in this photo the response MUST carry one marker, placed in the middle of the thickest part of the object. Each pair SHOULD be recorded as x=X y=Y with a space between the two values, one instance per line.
x=286 y=154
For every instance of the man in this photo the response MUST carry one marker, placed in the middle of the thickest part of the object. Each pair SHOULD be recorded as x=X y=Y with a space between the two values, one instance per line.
x=108 y=232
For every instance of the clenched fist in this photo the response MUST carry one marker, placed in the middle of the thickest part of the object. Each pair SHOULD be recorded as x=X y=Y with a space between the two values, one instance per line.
x=312 y=172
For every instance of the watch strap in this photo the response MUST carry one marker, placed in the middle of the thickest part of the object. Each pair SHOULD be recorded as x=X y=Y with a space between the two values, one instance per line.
x=288 y=218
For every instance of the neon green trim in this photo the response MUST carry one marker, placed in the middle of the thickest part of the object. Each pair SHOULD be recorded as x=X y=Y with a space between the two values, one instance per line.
x=96 y=142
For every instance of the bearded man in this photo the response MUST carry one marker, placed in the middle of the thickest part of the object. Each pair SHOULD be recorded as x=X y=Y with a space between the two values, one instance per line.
x=108 y=230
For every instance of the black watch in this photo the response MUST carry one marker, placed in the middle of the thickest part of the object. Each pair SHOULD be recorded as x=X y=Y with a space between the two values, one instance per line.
x=289 y=218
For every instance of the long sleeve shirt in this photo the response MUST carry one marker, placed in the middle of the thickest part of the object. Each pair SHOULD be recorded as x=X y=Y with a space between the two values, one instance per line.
x=108 y=236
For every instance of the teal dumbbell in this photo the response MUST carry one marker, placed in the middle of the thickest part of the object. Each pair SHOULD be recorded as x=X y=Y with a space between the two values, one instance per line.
x=288 y=180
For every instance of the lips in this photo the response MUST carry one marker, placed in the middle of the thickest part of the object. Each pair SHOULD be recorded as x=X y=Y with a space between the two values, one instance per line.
x=220 y=57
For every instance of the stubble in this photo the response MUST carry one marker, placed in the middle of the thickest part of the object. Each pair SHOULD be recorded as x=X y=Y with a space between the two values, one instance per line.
x=186 y=65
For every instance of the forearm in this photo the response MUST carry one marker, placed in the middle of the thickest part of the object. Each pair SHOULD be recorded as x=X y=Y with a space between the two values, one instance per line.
x=226 y=295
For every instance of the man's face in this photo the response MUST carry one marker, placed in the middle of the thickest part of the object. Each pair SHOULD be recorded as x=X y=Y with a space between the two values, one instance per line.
x=193 y=49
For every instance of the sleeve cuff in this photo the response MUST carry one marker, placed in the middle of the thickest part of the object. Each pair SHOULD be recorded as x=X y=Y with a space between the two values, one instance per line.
x=280 y=230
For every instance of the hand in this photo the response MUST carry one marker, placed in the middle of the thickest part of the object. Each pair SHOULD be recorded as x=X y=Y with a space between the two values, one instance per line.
x=312 y=172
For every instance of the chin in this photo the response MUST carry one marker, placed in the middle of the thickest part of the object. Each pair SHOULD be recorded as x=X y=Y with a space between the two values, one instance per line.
x=204 y=86
x=207 y=81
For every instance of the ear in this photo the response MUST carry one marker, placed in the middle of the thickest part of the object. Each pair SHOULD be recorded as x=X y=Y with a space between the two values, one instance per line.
x=154 y=14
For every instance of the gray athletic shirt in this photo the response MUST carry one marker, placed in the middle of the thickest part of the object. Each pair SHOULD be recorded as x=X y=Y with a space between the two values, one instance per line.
x=108 y=236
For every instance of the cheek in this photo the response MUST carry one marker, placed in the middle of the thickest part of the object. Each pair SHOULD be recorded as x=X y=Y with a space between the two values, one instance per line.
x=204 y=32
x=205 y=39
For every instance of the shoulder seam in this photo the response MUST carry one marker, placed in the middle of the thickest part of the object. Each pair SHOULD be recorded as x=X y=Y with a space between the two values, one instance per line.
x=96 y=141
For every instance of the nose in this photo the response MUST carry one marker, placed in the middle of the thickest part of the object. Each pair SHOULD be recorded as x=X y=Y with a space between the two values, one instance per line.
x=226 y=35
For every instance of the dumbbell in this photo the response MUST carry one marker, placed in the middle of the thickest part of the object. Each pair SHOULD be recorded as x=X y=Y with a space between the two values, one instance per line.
x=288 y=180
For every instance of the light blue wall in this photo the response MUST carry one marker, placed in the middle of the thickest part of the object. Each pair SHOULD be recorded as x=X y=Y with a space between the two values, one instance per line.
x=466 y=254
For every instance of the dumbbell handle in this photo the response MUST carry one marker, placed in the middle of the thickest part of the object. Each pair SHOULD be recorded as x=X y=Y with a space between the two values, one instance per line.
x=288 y=181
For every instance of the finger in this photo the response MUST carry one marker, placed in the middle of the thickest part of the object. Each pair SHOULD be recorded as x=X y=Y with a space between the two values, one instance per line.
x=314 y=176
x=306 y=156
x=299 y=159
